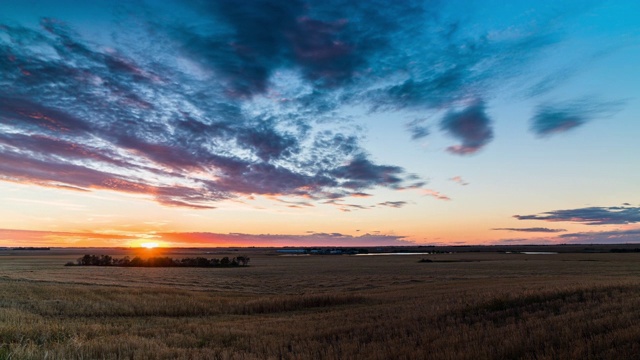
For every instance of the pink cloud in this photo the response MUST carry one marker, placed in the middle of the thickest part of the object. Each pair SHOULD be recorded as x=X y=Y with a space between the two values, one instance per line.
x=435 y=194
x=459 y=180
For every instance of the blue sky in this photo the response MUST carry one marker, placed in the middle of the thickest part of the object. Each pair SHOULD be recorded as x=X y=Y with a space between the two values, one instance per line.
x=421 y=122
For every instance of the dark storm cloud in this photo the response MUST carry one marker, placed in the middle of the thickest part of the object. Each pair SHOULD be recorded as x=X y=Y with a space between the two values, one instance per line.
x=533 y=229
x=471 y=126
x=590 y=215
x=556 y=118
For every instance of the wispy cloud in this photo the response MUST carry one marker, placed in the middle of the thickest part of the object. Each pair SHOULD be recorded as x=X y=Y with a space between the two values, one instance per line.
x=435 y=194
x=590 y=215
x=53 y=203
x=418 y=131
x=603 y=237
x=245 y=98
x=393 y=204
x=553 y=118
x=533 y=230
x=525 y=241
x=12 y=237
x=459 y=180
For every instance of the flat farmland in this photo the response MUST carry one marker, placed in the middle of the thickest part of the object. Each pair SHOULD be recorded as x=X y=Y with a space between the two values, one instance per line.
x=465 y=305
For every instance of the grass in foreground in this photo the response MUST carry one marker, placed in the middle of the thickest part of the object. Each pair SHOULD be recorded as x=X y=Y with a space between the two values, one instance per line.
x=485 y=309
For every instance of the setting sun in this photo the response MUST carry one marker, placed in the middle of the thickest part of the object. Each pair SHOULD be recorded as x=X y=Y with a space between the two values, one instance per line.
x=149 y=245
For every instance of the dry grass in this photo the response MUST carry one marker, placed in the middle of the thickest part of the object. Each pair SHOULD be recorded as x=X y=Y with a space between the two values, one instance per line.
x=498 y=306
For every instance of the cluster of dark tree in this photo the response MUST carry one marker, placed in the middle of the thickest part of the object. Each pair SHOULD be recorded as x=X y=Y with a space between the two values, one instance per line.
x=425 y=260
x=634 y=250
x=164 y=261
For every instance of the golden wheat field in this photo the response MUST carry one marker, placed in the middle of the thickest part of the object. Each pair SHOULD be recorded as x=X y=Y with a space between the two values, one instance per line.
x=485 y=305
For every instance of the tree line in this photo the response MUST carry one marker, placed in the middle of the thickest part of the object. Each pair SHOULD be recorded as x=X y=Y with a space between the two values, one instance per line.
x=161 y=261
x=635 y=250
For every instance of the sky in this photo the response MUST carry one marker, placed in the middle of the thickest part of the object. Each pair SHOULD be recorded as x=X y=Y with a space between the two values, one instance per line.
x=319 y=123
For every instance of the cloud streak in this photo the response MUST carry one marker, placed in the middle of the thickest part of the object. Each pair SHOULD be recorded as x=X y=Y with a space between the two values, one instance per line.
x=459 y=180
x=614 y=215
x=554 y=118
x=13 y=237
x=532 y=230
x=603 y=237
x=393 y=204
x=435 y=194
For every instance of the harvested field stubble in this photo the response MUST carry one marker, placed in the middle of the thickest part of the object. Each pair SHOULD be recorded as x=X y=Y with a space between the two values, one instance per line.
x=497 y=306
